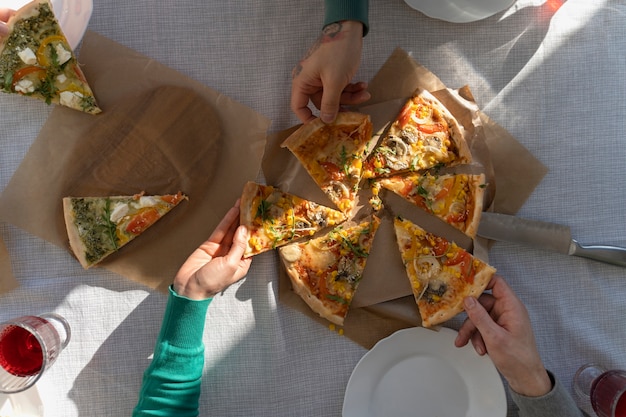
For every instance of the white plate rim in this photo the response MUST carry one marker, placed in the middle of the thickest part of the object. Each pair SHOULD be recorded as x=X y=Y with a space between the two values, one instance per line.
x=22 y=404
x=440 y=344
x=450 y=11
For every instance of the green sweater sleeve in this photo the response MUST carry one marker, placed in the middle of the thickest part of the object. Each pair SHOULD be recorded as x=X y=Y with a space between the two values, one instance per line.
x=337 y=10
x=171 y=383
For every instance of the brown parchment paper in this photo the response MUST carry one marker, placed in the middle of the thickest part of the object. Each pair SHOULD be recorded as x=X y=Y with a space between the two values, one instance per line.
x=160 y=132
x=7 y=279
x=384 y=302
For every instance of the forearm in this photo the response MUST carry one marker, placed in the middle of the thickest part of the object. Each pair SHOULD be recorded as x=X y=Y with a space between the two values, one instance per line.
x=556 y=403
x=171 y=383
x=339 y=10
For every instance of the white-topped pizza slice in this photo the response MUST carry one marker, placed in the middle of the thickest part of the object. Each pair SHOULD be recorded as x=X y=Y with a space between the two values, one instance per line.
x=37 y=61
x=99 y=226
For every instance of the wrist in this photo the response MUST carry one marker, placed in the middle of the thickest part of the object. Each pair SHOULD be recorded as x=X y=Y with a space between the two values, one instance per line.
x=189 y=290
x=534 y=384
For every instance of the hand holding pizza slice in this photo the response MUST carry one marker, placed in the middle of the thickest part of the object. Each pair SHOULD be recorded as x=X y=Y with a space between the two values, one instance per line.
x=441 y=274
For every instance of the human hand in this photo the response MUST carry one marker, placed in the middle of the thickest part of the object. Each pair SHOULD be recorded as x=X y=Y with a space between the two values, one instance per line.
x=217 y=263
x=324 y=74
x=5 y=14
x=500 y=326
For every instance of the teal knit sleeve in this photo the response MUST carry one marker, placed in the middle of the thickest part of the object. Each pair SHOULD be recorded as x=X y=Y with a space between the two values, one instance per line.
x=171 y=383
x=337 y=10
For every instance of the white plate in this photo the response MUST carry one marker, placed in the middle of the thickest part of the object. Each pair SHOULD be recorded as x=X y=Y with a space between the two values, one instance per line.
x=460 y=11
x=420 y=373
x=23 y=404
x=73 y=16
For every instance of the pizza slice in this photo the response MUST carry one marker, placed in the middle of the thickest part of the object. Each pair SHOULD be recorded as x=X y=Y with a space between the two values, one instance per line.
x=441 y=273
x=275 y=218
x=326 y=271
x=424 y=135
x=37 y=61
x=456 y=199
x=100 y=226
x=333 y=155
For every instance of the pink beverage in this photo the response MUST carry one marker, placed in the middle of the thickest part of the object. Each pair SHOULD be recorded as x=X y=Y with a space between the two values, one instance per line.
x=21 y=353
x=608 y=394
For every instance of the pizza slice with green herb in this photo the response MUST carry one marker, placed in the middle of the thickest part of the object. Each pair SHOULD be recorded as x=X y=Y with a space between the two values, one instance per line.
x=99 y=226
x=275 y=218
x=326 y=271
x=37 y=61
x=457 y=199
x=333 y=155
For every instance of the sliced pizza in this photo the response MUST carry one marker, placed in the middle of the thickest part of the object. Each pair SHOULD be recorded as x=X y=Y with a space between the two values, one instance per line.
x=275 y=218
x=424 y=135
x=36 y=60
x=99 y=226
x=441 y=274
x=333 y=154
x=456 y=199
x=326 y=271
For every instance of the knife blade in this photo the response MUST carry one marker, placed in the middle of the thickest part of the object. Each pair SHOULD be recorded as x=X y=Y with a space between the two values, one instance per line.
x=549 y=236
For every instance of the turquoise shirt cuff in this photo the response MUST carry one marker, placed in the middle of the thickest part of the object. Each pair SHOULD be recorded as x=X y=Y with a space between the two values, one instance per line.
x=183 y=320
x=338 y=10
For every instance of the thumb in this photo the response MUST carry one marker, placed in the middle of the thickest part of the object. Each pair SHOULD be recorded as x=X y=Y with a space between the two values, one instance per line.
x=481 y=319
x=239 y=243
x=329 y=107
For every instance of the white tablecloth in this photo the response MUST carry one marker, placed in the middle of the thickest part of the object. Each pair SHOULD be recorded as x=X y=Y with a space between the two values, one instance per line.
x=553 y=77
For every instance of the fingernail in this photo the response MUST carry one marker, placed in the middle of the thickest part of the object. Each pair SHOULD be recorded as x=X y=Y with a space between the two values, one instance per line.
x=327 y=117
x=469 y=302
x=479 y=349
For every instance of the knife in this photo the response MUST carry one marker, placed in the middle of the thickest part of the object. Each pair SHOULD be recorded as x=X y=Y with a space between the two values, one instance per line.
x=550 y=236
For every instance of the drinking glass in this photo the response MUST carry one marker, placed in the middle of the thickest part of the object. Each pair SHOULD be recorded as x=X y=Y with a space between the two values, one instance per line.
x=28 y=346
x=604 y=390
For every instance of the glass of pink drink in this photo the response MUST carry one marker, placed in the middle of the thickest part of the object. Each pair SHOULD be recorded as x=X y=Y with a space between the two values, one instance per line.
x=604 y=390
x=28 y=346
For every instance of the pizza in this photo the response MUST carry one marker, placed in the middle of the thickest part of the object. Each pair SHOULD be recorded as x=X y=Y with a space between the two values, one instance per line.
x=99 y=226
x=441 y=274
x=333 y=155
x=456 y=199
x=326 y=271
x=424 y=135
x=37 y=61
x=275 y=218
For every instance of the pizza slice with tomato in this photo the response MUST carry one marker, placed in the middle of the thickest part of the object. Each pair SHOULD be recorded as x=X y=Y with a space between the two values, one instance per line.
x=326 y=271
x=424 y=135
x=457 y=199
x=275 y=218
x=333 y=155
x=37 y=61
x=441 y=273
x=99 y=226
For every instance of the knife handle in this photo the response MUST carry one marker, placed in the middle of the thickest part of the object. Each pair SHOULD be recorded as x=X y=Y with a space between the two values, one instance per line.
x=608 y=254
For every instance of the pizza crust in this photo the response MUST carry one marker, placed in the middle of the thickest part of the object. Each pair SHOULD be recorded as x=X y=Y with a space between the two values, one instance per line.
x=290 y=255
x=300 y=136
x=481 y=280
x=76 y=243
x=477 y=185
